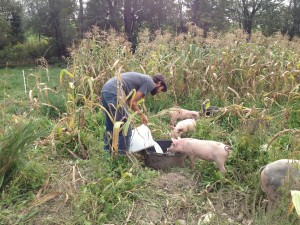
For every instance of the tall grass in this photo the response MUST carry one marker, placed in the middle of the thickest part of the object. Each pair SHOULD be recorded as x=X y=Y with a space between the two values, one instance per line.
x=13 y=145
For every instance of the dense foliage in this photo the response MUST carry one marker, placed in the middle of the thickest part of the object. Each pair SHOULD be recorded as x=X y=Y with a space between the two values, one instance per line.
x=69 y=179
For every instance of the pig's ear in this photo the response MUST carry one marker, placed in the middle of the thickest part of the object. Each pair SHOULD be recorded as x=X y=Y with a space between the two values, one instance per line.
x=174 y=140
x=172 y=127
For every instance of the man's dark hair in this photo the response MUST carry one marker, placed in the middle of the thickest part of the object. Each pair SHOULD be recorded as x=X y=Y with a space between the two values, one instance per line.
x=159 y=77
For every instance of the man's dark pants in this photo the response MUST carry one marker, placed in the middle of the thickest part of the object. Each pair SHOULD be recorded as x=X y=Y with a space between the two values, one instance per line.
x=109 y=102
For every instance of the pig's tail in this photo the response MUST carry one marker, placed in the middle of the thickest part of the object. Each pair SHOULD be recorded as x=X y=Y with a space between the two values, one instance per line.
x=227 y=148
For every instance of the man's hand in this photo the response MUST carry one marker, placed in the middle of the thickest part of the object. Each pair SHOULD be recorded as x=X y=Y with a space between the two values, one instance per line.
x=134 y=106
x=144 y=119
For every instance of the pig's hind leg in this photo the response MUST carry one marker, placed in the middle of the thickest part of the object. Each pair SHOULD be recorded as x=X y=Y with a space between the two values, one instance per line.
x=220 y=165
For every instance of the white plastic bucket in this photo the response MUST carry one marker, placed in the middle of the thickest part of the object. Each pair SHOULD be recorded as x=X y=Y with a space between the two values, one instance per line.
x=141 y=139
x=157 y=148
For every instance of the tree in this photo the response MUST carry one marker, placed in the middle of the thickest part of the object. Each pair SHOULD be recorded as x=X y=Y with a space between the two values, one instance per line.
x=156 y=14
x=292 y=22
x=104 y=14
x=208 y=14
x=270 y=19
x=15 y=20
x=247 y=10
x=5 y=31
x=201 y=14
x=53 y=19
x=36 y=14
x=11 y=23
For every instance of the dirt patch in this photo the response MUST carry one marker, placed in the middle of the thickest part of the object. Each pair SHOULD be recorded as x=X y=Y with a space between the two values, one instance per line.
x=165 y=200
x=173 y=182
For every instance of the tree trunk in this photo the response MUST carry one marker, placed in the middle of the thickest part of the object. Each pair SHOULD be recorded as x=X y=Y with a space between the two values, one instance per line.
x=159 y=14
x=181 y=27
x=128 y=18
x=112 y=14
x=54 y=12
x=205 y=30
x=247 y=23
x=247 y=26
x=196 y=12
x=248 y=17
x=80 y=19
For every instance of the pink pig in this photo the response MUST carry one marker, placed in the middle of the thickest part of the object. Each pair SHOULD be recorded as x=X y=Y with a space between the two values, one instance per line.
x=181 y=114
x=278 y=173
x=207 y=150
x=182 y=127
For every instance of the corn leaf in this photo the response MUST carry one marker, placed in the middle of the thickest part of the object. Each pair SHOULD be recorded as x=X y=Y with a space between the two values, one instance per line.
x=206 y=103
x=108 y=113
x=115 y=64
x=131 y=95
x=132 y=92
x=296 y=200
x=90 y=83
x=116 y=131
x=1 y=179
x=62 y=72
x=126 y=125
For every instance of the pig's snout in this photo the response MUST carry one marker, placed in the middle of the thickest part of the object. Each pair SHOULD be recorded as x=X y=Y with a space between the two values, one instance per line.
x=169 y=150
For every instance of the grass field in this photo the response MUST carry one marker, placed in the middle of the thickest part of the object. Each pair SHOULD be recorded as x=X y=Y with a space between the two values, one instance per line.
x=54 y=170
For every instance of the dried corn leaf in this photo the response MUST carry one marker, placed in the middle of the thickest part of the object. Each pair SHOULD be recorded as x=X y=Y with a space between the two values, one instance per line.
x=45 y=198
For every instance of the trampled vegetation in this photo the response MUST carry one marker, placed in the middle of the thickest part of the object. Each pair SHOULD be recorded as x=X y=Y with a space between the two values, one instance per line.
x=65 y=177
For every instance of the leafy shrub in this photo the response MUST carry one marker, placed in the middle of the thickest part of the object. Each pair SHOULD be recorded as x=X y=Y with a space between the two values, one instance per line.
x=26 y=54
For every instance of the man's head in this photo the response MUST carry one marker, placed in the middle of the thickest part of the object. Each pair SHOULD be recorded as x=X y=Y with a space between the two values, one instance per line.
x=160 y=82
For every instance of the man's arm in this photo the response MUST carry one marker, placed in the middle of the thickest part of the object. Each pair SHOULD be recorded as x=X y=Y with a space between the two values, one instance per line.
x=134 y=106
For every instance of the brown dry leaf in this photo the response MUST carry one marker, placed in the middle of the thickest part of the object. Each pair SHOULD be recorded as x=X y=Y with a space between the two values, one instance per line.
x=45 y=198
x=43 y=188
x=66 y=199
x=73 y=179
